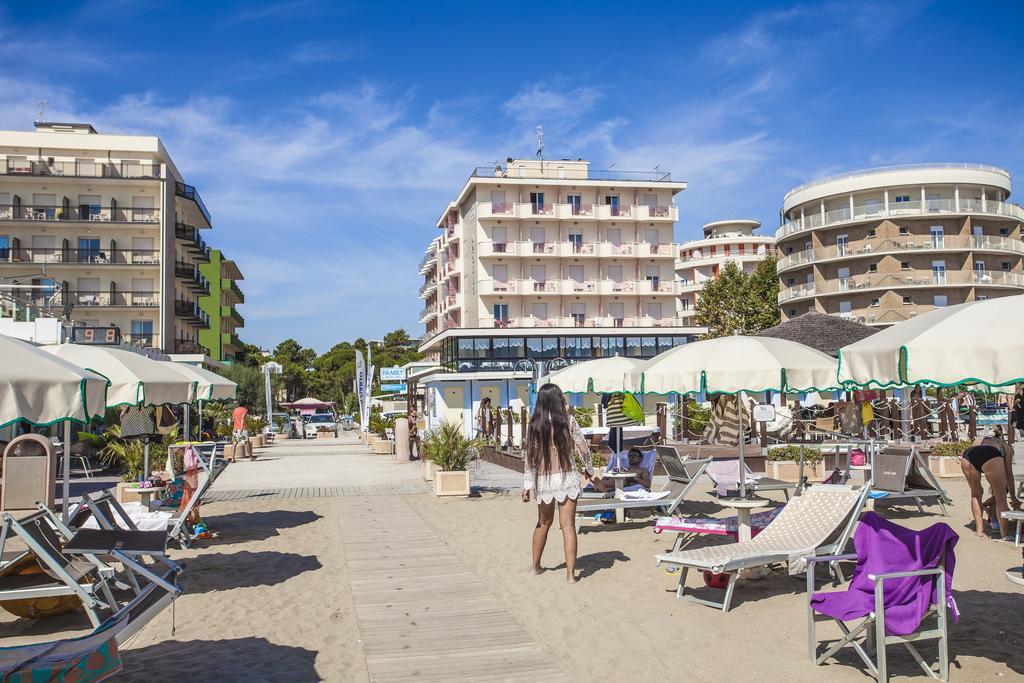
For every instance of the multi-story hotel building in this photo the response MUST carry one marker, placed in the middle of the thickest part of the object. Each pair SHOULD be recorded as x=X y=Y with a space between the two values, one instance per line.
x=543 y=260
x=886 y=244
x=102 y=227
x=221 y=306
x=701 y=260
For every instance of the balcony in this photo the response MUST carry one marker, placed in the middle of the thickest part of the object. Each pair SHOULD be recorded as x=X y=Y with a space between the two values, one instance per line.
x=76 y=257
x=230 y=289
x=230 y=343
x=427 y=314
x=188 y=192
x=625 y=249
x=905 y=279
x=190 y=275
x=525 y=171
x=917 y=208
x=564 y=211
x=427 y=288
x=129 y=299
x=427 y=263
x=133 y=170
x=193 y=240
x=190 y=346
x=89 y=214
x=903 y=244
x=190 y=311
x=231 y=313
x=528 y=322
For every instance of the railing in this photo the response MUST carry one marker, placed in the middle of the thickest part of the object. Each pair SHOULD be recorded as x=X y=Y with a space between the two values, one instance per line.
x=82 y=169
x=135 y=299
x=102 y=214
x=190 y=272
x=549 y=171
x=903 y=279
x=232 y=287
x=795 y=292
x=92 y=257
x=190 y=346
x=189 y=192
x=427 y=313
x=232 y=313
x=430 y=285
x=900 y=167
x=903 y=244
x=427 y=260
x=563 y=210
x=191 y=310
x=146 y=341
x=898 y=210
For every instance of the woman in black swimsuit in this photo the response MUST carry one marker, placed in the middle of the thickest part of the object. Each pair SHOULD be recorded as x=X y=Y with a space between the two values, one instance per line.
x=990 y=456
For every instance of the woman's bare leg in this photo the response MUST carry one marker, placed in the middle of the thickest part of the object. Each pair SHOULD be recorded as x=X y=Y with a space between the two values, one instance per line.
x=973 y=477
x=567 y=520
x=996 y=476
x=545 y=515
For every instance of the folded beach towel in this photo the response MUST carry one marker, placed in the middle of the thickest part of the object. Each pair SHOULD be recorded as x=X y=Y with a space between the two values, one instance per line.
x=143 y=519
x=644 y=494
x=718 y=526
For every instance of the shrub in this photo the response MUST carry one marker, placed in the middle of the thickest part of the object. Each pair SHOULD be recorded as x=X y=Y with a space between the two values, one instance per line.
x=584 y=416
x=448 y=448
x=953 y=448
x=598 y=459
x=812 y=456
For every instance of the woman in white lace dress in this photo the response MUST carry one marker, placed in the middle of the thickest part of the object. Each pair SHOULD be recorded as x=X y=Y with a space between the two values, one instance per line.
x=550 y=474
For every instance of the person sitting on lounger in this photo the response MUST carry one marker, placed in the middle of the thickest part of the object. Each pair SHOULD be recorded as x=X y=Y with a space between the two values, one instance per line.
x=640 y=474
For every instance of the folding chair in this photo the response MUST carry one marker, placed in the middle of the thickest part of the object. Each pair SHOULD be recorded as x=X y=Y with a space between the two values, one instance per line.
x=899 y=473
x=907 y=572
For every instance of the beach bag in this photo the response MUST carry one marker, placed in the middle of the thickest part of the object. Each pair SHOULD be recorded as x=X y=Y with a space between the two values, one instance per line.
x=137 y=422
x=857 y=458
x=191 y=458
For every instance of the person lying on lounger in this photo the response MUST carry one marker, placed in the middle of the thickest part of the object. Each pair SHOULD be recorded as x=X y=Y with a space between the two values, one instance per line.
x=640 y=474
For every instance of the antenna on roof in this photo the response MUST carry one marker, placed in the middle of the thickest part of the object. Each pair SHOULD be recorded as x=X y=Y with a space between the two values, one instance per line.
x=41 y=114
x=540 y=143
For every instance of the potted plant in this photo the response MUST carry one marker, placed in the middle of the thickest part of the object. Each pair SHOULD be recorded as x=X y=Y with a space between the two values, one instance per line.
x=784 y=463
x=945 y=458
x=451 y=452
x=129 y=455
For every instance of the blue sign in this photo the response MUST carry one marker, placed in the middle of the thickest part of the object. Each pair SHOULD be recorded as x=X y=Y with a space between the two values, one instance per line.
x=394 y=388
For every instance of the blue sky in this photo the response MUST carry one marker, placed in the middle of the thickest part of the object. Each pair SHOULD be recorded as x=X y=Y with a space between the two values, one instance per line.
x=326 y=137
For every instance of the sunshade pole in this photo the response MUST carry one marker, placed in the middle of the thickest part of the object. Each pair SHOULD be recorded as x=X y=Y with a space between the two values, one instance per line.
x=145 y=461
x=66 y=490
x=199 y=416
x=188 y=414
x=743 y=476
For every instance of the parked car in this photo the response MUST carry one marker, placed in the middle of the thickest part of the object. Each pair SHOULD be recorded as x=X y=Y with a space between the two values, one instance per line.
x=348 y=423
x=317 y=422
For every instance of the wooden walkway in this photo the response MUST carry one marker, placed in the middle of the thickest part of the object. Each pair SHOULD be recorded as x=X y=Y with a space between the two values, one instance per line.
x=319 y=492
x=422 y=614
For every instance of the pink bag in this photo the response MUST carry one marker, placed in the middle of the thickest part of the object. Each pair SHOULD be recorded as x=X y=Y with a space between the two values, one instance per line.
x=191 y=458
x=857 y=458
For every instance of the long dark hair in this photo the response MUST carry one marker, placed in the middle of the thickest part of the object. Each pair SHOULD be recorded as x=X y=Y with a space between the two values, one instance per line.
x=549 y=425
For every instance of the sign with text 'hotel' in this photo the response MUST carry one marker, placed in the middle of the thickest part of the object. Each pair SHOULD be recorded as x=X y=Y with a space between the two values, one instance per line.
x=392 y=374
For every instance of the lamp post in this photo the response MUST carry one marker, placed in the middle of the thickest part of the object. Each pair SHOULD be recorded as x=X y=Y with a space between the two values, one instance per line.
x=269 y=368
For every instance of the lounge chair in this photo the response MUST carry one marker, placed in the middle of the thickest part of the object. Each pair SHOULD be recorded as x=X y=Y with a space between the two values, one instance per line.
x=900 y=473
x=904 y=572
x=82 y=575
x=725 y=474
x=682 y=477
x=817 y=522
x=92 y=657
x=686 y=528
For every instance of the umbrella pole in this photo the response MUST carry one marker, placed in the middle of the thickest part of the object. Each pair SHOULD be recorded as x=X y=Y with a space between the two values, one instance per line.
x=188 y=414
x=145 y=461
x=743 y=475
x=199 y=416
x=66 y=488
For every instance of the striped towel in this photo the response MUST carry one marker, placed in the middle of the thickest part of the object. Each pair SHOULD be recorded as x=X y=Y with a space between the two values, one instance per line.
x=614 y=417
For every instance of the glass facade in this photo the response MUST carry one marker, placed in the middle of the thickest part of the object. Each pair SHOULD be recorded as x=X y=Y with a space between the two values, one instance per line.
x=473 y=354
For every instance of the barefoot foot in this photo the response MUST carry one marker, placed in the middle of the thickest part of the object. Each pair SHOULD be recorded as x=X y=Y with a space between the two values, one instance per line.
x=571 y=579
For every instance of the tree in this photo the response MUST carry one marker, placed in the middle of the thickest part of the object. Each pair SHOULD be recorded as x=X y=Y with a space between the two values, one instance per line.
x=294 y=361
x=251 y=387
x=735 y=302
x=250 y=355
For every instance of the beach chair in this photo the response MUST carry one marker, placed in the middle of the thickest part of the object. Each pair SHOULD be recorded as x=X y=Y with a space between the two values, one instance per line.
x=686 y=528
x=725 y=475
x=63 y=575
x=180 y=528
x=817 y=522
x=682 y=477
x=900 y=473
x=903 y=577
x=89 y=658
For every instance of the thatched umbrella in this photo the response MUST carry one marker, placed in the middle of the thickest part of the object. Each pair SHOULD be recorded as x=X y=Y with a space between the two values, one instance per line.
x=826 y=333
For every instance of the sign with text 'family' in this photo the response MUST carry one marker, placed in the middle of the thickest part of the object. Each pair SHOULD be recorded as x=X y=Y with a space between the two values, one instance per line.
x=392 y=374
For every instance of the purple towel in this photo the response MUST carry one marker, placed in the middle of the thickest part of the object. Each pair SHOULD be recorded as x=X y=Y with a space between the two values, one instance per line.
x=884 y=547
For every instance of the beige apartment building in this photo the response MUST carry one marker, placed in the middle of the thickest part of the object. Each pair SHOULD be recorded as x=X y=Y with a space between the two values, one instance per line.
x=102 y=227
x=701 y=260
x=887 y=244
x=580 y=262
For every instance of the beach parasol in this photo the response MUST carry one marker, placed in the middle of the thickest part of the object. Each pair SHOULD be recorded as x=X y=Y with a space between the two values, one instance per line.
x=134 y=378
x=602 y=376
x=731 y=365
x=40 y=389
x=972 y=343
x=207 y=386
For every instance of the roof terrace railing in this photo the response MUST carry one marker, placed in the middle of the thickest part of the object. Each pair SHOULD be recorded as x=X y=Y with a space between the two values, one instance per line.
x=550 y=172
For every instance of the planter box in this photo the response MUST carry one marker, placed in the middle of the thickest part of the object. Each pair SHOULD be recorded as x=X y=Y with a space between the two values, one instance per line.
x=257 y=441
x=788 y=470
x=382 y=447
x=945 y=466
x=427 y=469
x=229 y=452
x=451 y=483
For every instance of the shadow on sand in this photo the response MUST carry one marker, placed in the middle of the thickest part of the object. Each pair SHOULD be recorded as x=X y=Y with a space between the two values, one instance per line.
x=224 y=571
x=241 y=527
x=234 y=659
x=587 y=565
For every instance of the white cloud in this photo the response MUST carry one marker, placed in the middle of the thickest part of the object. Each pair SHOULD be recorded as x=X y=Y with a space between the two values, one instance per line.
x=539 y=102
x=313 y=52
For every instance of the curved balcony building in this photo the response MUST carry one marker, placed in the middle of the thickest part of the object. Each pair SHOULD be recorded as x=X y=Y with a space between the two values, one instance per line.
x=886 y=244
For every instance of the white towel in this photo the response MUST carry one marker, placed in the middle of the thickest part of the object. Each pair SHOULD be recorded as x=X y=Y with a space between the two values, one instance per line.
x=144 y=519
x=644 y=494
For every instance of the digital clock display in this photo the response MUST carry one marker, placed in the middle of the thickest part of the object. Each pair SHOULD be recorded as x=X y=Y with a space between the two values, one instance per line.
x=102 y=336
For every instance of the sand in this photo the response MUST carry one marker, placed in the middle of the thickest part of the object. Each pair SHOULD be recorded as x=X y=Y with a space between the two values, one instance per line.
x=270 y=600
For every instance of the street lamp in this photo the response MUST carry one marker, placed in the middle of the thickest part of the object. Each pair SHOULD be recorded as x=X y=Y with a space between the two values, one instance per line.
x=269 y=368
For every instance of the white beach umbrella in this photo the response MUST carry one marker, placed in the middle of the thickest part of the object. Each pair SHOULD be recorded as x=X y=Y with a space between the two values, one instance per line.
x=728 y=365
x=979 y=342
x=38 y=388
x=601 y=375
x=732 y=365
x=208 y=386
x=134 y=378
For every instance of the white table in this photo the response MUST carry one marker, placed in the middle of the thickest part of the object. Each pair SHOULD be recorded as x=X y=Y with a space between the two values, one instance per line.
x=743 y=506
x=620 y=483
x=1018 y=517
x=146 y=494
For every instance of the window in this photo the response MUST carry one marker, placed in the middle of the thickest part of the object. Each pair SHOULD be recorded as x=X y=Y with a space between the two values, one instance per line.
x=539 y=274
x=614 y=236
x=501 y=313
x=88 y=249
x=1004 y=232
x=665 y=343
x=982 y=297
x=537 y=200
x=615 y=273
x=633 y=347
x=539 y=310
x=904 y=230
x=938 y=235
x=844 y=279
x=654 y=310
x=142 y=332
x=904 y=265
x=653 y=275
x=845 y=307
x=901 y=198
x=875 y=303
x=142 y=209
x=88 y=206
x=872 y=267
x=481 y=348
x=939 y=272
x=612 y=200
x=1005 y=265
x=465 y=348
x=576 y=240
x=575 y=201
x=542 y=347
x=44 y=206
x=578 y=311
x=979 y=265
x=790 y=282
x=500 y=273
x=5 y=247
x=499 y=236
x=841 y=242
x=609 y=346
x=617 y=311
x=940 y=300
x=577 y=347
x=576 y=273
x=907 y=300
x=651 y=235
x=871 y=233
